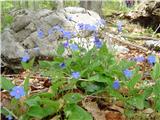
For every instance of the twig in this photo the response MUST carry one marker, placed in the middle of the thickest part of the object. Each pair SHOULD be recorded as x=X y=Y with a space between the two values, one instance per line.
x=156 y=30
x=17 y=75
x=128 y=43
x=10 y=112
x=94 y=96
x=140 y=37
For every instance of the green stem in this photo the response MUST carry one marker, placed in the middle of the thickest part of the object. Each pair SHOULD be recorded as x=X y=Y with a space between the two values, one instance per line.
x=10 y=112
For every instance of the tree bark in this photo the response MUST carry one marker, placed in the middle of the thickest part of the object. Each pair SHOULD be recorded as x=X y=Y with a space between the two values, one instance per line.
x=95 y=5
x=35 y=5
x=59 y=4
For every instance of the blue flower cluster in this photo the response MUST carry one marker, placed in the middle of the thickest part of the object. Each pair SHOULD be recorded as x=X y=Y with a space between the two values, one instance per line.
x=62 y=65
x=26 y=57
x=75 y=75
x=17 y=92
x=9 y=117
x=74 y=47
x=128 y=73
x=151 y=59
x=87 y=27
x=116 y=84
x=139 y=59
x=97 y=42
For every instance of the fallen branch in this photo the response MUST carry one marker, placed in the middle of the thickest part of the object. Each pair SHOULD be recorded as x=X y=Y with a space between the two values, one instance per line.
x=156 y=30
x=140 y=37
x=116 y=38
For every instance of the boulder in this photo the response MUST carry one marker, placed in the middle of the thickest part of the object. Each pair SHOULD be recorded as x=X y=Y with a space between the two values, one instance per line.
x=147 y=14
x=153 y=45
x=35 y=28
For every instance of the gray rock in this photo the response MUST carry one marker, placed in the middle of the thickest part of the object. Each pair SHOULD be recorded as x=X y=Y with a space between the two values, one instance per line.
x=147 y=14
x=120 y=49
x=152 y=44
x=10 y=49
x=20 y=22
x=23 y=32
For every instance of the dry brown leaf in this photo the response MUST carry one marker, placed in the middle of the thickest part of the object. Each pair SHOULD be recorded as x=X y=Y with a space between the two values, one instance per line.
x=92 y=108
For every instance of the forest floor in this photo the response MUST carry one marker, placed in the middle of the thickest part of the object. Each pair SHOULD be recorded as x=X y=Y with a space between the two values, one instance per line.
x=100 y=107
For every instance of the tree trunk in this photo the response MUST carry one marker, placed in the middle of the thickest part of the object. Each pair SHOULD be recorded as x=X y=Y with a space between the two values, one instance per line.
x=26 y=4
x=59 y=4
x=95 y=5
x=35 y=4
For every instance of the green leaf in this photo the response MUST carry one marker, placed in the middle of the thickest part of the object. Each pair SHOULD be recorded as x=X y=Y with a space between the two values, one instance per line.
x=156 y=71
x=6 y=84
x=101 y=78
x=133 y=81
x=50 y=107
x=116 y=94
x=91 y=87
x=137 y=101
x=75 y=112
x=33 y=101
x=45 y=64
x=156 y=88
x=4 y=111
x=28 y=65
x=124 y=64
x=147 y=92
x=46 y=95
x=55 y=87
x=36 y=112
x=72 y=97
x=103 y=51
x=60 y=49
x=26 y=84
x=157 y=105
x=24 y=117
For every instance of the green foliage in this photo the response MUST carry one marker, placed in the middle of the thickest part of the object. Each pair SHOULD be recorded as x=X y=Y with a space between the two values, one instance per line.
x=156 y=71
x=28 y=65
x=6 y=84
x=71 y=3
x=98 y=70
x=72 y=98
x=74 y=112
x=112 y=6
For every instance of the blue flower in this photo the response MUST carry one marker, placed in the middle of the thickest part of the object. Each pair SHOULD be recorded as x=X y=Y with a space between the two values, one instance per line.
x=75 y=75
x=116 y=85
x=9 y=117
x=25 y=58
x=17 y=92
x=128 y=73
x=40 y=33
x=102 y=21
x=151 y=59
x=90 y=27
x=139 y=59
x=74 y=47
x=62 y=65
x=119 y=26
x=66 y=44
x=97 y=43
x=58 y=28
x=80 y=26
x=67 y=35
